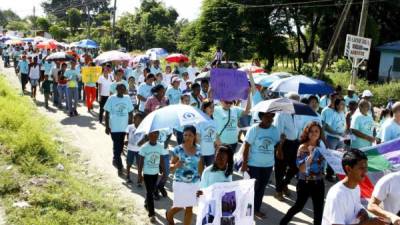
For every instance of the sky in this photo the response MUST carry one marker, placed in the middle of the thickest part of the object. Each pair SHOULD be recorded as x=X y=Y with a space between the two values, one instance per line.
x=188 y=9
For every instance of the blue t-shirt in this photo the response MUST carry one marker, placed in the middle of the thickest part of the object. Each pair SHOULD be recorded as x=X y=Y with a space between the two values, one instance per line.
x=347 y=99
x=221 y=116
x=257 y=98
x=365 y=125
x=173 y=95
x=47 y=67
x=210 y=177
x=390 y=130
x=23 y=66
x=262 y=145
x=339 y=122
x=72 y=75
x=151 y=154
x=144 y=90
x=208 y=135
x=189 y=171
x=326 y=116
x=119 y=109
x=113 y=86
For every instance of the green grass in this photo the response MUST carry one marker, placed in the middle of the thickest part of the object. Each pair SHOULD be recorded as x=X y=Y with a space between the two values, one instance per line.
x=29 y=152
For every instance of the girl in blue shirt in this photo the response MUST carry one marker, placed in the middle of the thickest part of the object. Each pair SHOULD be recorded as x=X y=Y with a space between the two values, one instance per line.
x=310 y=184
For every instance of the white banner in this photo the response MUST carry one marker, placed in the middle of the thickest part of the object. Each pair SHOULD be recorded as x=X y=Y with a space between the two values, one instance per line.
x=230 y=203
x=333 y=158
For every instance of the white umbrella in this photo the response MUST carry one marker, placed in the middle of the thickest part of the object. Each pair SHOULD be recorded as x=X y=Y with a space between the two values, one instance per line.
x=172 y=116
x=283 y=105
x=301 y=85
x=112 y=56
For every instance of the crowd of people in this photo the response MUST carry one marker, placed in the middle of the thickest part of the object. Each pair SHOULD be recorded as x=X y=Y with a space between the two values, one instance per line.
x=283 y=144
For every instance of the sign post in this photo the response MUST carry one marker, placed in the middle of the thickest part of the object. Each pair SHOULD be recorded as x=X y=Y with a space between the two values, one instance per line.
x=357 y=50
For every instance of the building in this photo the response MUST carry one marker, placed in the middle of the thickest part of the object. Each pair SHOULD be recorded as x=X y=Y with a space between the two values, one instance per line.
x=389 y=64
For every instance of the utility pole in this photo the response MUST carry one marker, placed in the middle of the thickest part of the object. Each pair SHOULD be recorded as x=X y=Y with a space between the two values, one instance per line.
x=113 y=23
x=335 y=37
x=360 y=33
x=34 y=21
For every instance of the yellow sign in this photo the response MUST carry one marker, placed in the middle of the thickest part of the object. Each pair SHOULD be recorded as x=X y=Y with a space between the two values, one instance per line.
x=90 y=74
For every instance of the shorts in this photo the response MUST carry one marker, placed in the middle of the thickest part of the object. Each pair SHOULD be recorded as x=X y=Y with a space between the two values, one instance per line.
x=34 y=82
x=131 y=157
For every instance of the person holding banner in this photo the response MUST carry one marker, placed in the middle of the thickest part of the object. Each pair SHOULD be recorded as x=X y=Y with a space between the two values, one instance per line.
x=258 y=156
x=391 y=127
x=386 y=192
x=343 y=205
x=90 y=92
x=187 y=166
x=310 y=177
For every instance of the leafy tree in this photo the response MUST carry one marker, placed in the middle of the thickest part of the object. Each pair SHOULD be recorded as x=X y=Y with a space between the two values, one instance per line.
x=74 y=19
x=17 y=25
x=59 y=8
x=43 y=24
x=58 y=31
x=7 y=16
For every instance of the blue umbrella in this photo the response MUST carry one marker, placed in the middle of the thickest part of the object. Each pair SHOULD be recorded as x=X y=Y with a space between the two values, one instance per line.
x=283 y=105
x=157 y=52
x=172 y=116
x=267 y=80
x=141 y=59
x=87 y=43
x=27 y=39
x=301 y=85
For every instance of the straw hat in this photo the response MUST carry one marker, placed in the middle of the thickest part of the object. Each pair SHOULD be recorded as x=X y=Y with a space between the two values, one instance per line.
x=351 y=87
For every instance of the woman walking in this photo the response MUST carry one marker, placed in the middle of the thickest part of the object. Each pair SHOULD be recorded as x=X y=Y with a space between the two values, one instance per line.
x=34 y=76
x=311 y=183
x=187 y=164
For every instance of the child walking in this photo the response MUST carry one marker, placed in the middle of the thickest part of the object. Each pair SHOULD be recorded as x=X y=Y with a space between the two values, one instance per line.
x=46 y=88
x=149 y=168
x=134 y=142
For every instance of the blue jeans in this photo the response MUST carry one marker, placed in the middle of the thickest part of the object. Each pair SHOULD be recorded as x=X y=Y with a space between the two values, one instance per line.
x=62 y=94
x=55 y=93
x=72 y=97
x=262 y=175
x=161 y=182
x=118 y=147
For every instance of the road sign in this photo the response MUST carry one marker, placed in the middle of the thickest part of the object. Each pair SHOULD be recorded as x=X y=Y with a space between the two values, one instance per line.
x=357 y=47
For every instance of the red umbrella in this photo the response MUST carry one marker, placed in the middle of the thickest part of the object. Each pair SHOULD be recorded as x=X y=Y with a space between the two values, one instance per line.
x=177 y=58
x=47 y=45
x=253 y=69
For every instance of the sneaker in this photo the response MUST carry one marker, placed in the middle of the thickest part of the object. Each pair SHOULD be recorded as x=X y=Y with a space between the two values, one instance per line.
x=163 y=192
x=279 y=196
x=153 y=219
x=286 y=191
x=260 y=215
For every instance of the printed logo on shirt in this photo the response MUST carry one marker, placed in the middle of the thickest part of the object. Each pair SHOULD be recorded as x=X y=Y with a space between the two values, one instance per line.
x=209 y=134
x=121 y=109
x=265 y=144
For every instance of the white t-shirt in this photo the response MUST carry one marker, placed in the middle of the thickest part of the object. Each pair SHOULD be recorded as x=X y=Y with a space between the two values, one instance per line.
x=133 y=138
x=34 y=72
x=342 y=205
x=105 y=85
x=386 y=190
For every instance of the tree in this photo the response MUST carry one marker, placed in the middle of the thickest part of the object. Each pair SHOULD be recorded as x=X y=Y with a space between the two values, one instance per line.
x=7 y=16
x=43 y=24
x=59 y=8
x=58 y=31
x=17 y=25
x=74 y=19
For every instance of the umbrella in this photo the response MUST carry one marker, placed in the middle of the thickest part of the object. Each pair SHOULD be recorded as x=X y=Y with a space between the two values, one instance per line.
x=28 y=39
x=141 y=59
x=172 y=116
x=301 y=85
x=252 y=69
x=4 y=38
x=286 y=74
x=156 y=52
x=50 y=44
x=87 y=43
x=74 y=44
x=203 y=76
x=283 y=105
x=267 y=80
x=177 y=58
x=13 y=42
x=59 y=56
x=112 y=56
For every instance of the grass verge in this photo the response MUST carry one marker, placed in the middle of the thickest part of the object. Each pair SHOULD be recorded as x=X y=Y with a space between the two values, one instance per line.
x=30 y=154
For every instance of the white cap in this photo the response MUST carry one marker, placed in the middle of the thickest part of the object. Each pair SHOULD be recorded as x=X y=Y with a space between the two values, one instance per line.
x=367 y=93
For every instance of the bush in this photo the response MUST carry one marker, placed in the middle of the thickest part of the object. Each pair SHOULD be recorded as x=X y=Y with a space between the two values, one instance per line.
x=107 y=43
x=342 y=65
x=309 y=69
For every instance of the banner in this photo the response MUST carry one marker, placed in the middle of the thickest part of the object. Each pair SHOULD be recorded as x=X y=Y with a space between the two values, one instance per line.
x=227 y=203
x=333 y=158
x=229 y=84
x=90 y=74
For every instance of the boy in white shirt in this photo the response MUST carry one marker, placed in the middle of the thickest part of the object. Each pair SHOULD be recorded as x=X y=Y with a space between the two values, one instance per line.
x=343 y=204
x=134 y=142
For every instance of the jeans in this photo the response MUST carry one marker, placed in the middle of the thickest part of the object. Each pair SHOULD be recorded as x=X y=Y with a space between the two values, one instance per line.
x=62 y=94
x=306 y=189
x=333 y=143
x=150 y=184
x=90 y=95
x=72 y=96
x=103 y=100
x=286 y=169
x=80 y=88
x=118 y=146
x=6 y=61
x=24 y=80
x=208 y=160
x=262 y=175
x=55 y=93
x=161 y=182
